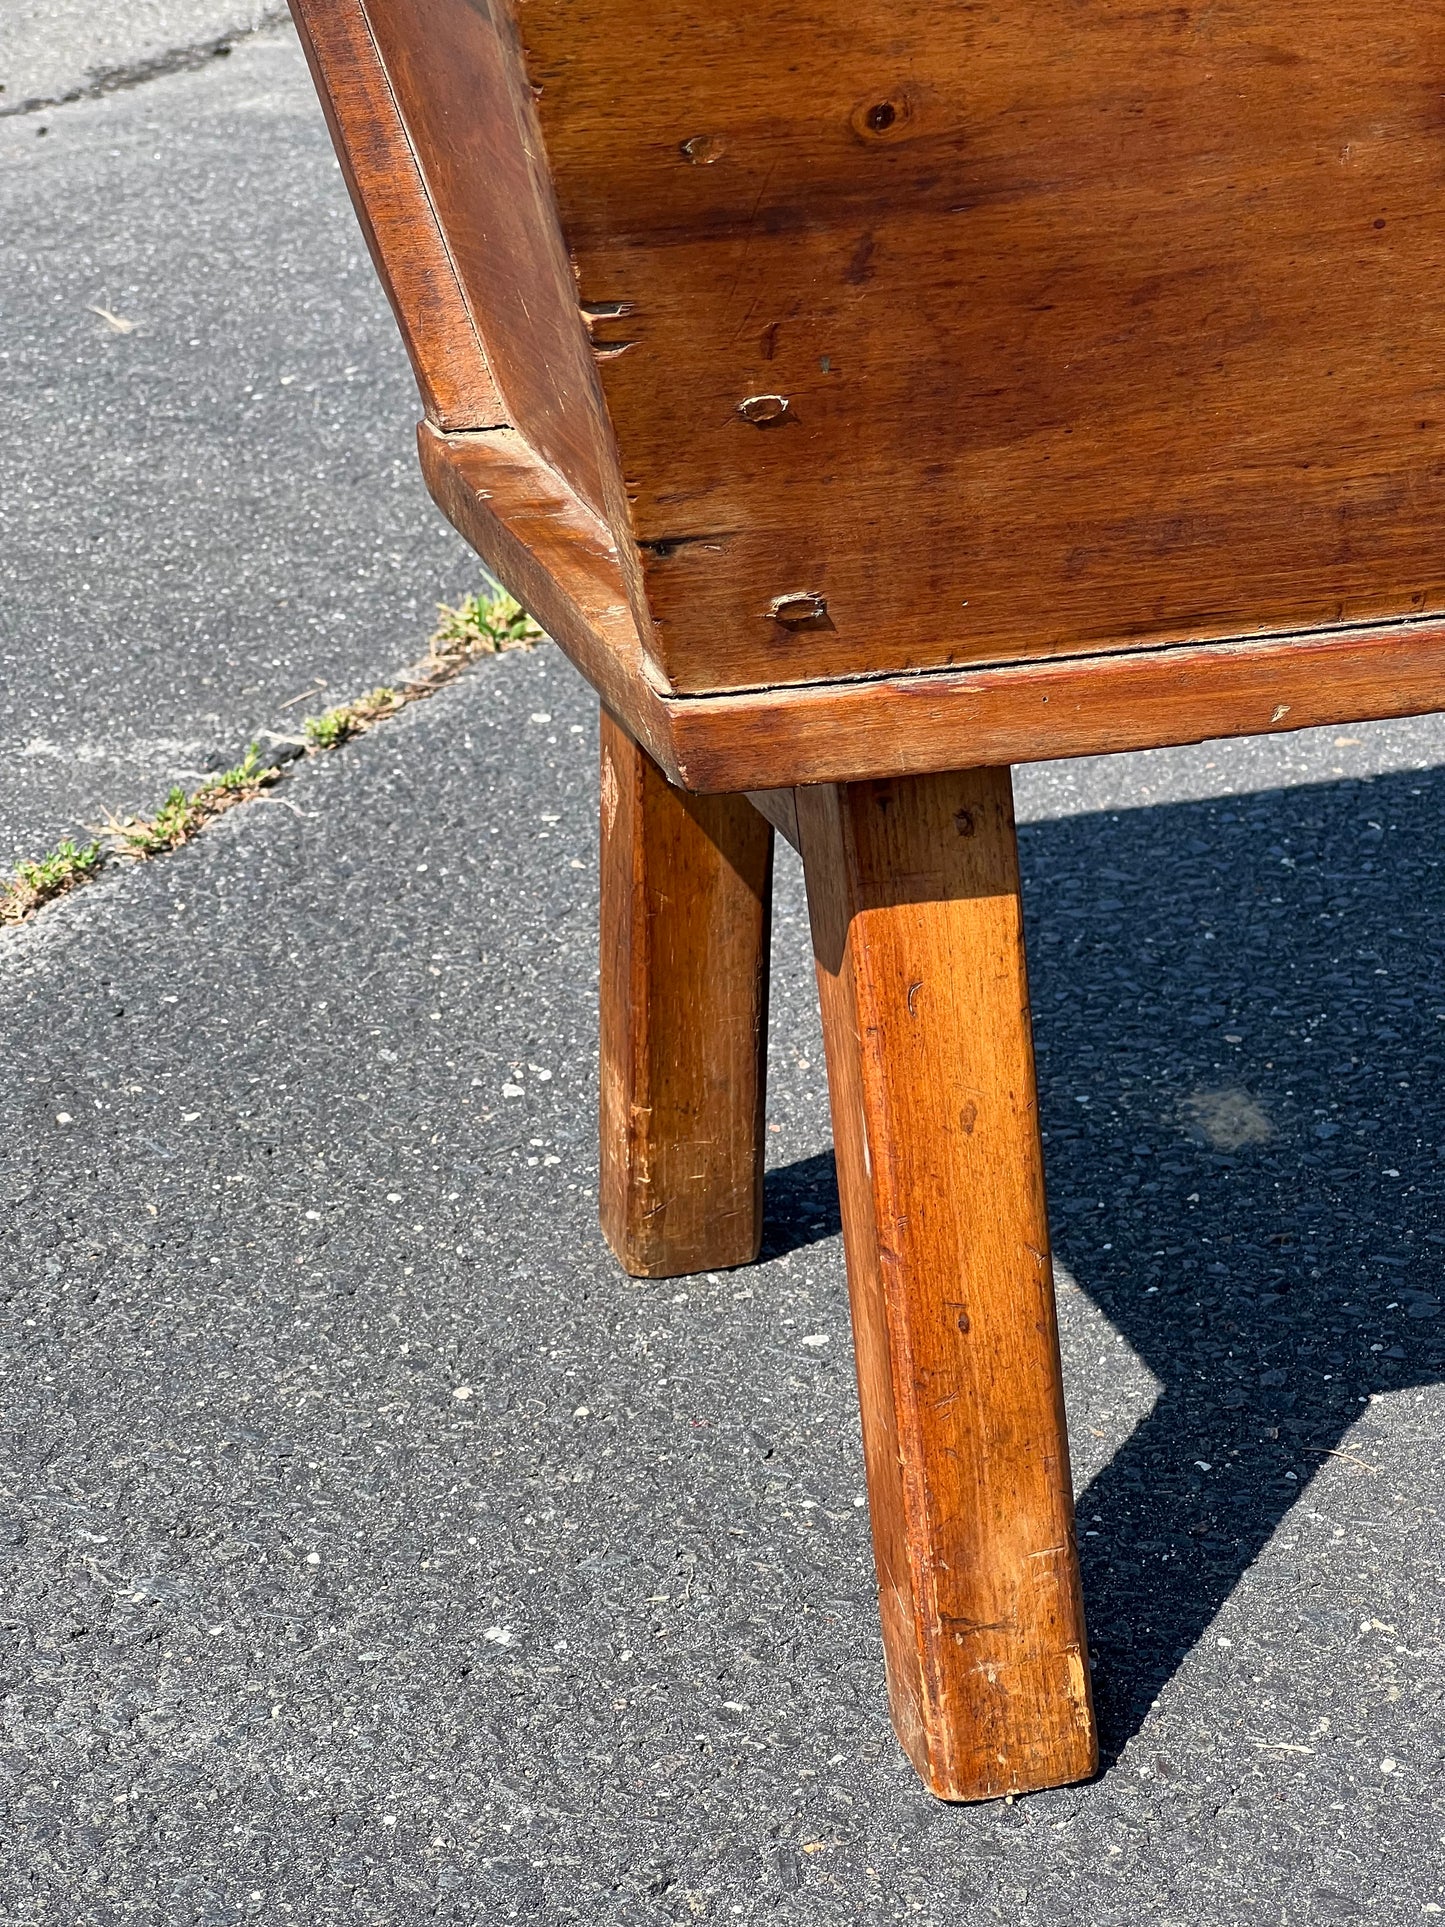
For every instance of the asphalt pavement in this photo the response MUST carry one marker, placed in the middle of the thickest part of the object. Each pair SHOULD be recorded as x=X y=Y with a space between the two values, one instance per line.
x=53 y=52
x=374 y=1550
x=211 y=495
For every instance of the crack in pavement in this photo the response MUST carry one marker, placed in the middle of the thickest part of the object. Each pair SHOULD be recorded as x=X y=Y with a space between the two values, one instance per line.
x=455 y=651
x=172 y=60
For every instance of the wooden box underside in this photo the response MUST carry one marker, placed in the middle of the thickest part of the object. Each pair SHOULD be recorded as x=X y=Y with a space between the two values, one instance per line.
x=912 y=386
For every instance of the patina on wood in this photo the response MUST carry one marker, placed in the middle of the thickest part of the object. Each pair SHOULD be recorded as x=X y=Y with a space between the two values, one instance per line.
x=913 y=892
x=1006 y=332
x=686 y=899
x=860 y=400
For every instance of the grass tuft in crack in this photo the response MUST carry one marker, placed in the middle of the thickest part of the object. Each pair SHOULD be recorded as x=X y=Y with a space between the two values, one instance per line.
x=482 y=625
x=336 y=726
x=479 y=625
x=48 y=876
x=181 y=816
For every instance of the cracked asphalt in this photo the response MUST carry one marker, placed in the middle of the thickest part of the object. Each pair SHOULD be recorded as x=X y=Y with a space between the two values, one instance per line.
x=372 y=1549
x=214 y=507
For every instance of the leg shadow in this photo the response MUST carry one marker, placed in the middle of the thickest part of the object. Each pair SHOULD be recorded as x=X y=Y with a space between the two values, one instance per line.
x=800 y=1205
x=1235 y=1008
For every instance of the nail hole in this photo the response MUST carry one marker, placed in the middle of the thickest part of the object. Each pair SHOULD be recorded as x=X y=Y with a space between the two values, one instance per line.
x=762 y=409
x=804 y=605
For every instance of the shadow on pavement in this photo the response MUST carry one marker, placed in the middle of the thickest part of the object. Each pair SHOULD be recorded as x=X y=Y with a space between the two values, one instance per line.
x=1239 y=1012
x=800 y=1205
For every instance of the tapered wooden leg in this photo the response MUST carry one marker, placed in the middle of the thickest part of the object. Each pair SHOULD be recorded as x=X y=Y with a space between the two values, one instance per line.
x=914 y=897
x=686 y=897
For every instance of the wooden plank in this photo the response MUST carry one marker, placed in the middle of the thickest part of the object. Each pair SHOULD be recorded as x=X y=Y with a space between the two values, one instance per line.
x=435 y=127
x=560 y=561
x=918 y=931
x=396 y=216
x=686 y=895
x=1094 y=326
x=556 y=556
x=1084 y=706
x=456 y=74
x=779 y=808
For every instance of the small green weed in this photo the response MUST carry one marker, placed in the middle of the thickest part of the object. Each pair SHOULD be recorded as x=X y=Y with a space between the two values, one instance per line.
x=166 y=830
x=479 y=625
x=180 y=816
x=250 y=774
x=336 y=726
x=50 y=876
x=483 y=625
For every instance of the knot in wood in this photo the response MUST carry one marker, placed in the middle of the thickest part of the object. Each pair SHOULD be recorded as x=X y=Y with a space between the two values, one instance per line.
x=882 y=117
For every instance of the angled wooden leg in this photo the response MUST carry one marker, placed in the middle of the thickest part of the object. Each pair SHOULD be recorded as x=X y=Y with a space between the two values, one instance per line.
x=914 y=897
x=686 y=897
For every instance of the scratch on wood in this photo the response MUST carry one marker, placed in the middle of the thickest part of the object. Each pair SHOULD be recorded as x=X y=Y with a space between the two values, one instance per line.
x=662 y=546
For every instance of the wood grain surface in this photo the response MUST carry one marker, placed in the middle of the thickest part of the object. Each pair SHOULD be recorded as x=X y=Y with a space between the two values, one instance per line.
x=457 y=76
x=561 y=561
x=396 y=215
x=918 y=932
x=557 y=556
x=780 y=808
x=1074 y=706
x=1307 y=449
x=984 y=334
x=686 y=898
x=435 y=127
